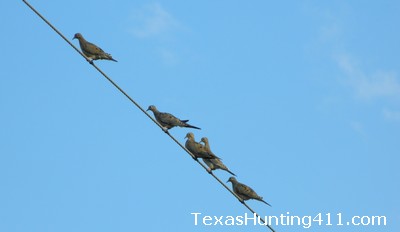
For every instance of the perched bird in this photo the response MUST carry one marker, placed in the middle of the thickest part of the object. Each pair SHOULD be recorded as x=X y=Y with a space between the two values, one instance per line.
x=91 y=51
x=197 y=149
x=213 y=163
x=168 y=120
x=244 y=191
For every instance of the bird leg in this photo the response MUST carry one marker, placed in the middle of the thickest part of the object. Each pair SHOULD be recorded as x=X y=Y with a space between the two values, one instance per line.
x=88 y=59
x=164 y=129
x=209 y=170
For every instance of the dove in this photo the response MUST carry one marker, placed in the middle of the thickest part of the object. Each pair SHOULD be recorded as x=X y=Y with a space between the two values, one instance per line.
x=168 y=120
x=91 y=51
x=244 y=191
x=197 y=149
x=213 y=163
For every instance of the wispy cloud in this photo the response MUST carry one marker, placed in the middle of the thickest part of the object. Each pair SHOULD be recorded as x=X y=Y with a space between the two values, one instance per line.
x=168 y=57
x=391 y=115
x=369 y=86
x=375 y=86
x=154 y=24
x=358 y=127
x=332 y=33
x=153 y=20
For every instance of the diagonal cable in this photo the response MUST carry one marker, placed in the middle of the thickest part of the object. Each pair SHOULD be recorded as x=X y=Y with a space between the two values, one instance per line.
x=147 y=114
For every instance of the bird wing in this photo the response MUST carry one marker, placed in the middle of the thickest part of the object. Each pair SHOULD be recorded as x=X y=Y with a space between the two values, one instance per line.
x=210 y=163
x=168 y=119
x=218 y=163
x=247 y=191
x=92 y=50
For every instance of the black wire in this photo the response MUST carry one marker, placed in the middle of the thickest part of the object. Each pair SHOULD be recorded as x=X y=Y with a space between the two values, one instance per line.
x=145 y=112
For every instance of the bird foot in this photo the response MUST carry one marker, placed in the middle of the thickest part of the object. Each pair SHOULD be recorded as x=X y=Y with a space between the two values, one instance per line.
x=209 y=170
x=241 y=201
x=165 y=129
x=90 y=61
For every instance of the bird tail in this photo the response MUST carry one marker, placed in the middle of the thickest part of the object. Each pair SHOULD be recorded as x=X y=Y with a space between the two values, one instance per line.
x=230 y=172
x=190 y=126
x=109 y=57
x=264 y=201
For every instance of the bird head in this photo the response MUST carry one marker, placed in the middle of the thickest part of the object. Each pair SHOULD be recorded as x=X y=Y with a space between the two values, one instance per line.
x=189 y=135
x=231 y=179
x=77 y=36
x=204 y=140
x=152 y=108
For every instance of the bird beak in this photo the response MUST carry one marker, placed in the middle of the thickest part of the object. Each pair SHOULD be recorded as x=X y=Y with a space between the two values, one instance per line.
x=74 y=37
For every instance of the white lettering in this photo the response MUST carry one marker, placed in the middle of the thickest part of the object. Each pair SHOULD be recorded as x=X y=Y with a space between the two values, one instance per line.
x=239 y=220
x=308 y=223
x=270 y=220
x=207 y=218
x=379 y=220
x=218 y=220
x=260 y=221
x=352 y=220
x=230 y=221
x=282 y=223
x=363 y=221
x=195 y=218
x=247 y=218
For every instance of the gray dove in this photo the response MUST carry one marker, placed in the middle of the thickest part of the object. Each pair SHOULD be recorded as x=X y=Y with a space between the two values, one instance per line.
x=213 y=163
x=197 y=149
x=91 y=51
x=168 y=120
x=244 y=191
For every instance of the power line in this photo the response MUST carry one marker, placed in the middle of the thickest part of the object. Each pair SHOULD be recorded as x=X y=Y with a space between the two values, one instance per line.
x=145 y=112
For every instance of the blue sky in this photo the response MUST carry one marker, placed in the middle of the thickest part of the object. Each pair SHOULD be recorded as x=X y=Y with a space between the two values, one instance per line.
x=301 y=99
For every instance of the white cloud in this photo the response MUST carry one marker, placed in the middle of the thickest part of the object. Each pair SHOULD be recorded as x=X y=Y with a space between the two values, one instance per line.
x=330 y=32
x=358 y=127
x=365 y=84
x=369 y=86
x=391 y=115
x=152 y=20
x=168 y=57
